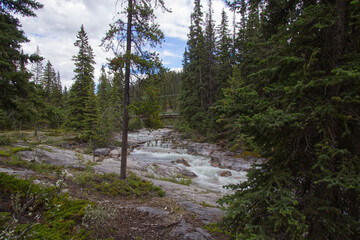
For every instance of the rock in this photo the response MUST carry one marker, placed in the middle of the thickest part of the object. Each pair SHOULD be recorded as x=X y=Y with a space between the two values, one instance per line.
x=102 y=152
x=183 y=161
x=215 y=162
x=188 y=232
x=77 y=167
x=225 y=174
x=153 y=212
x=205 y=149
x=188 y=173
x=114 y=153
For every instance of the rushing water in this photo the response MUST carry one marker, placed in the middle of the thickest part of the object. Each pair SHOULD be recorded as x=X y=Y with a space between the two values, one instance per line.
x=152 y=147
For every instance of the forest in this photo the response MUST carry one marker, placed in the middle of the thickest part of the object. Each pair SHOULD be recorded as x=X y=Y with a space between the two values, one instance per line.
x=283 y=81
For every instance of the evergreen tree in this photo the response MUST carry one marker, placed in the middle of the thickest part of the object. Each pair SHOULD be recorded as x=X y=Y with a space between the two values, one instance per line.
x=107 y=115
x=139 y=30
x=82 y=101
x=14 y=82
x=192 y=94
x=37 y=68
x=300 y=106
x=211 y=86
x=49 y=82
x=223 y=52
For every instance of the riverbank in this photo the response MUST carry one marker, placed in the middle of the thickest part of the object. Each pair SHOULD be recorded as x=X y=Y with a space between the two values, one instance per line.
x=180 y=214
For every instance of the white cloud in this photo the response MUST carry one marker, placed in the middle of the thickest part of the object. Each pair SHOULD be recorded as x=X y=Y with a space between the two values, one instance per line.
x=57 y=24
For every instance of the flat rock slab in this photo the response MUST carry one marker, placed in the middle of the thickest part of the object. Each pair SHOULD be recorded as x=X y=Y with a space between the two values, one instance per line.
x=153 y=212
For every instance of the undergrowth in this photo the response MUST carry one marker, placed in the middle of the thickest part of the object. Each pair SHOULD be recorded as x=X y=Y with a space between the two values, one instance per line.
x=111 y=184
x=16 y=161
x=36 y=212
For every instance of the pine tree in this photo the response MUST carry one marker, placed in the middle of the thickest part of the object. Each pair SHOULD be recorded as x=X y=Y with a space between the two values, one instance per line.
x=82 y=101
x=300 y=106
x=139 y=30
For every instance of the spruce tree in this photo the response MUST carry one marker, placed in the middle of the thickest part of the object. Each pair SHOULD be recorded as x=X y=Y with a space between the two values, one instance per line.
x=211 y=86
x=13 y=81
x=300 y=105
x=223 y=52
x=37 y=68
x=49 y=82
x=192 y=94
x=82 y=101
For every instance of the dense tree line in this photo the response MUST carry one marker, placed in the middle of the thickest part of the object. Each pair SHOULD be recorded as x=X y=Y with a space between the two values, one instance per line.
x=285 y=83
x=290 y=90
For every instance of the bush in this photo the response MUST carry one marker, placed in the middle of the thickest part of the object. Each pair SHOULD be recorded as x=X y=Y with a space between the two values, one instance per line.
x=5 y=140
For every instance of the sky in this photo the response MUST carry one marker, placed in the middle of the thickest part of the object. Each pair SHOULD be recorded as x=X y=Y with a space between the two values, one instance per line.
x=56 y=26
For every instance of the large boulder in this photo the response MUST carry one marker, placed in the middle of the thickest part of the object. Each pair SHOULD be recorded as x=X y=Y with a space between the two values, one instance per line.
x=115 y=153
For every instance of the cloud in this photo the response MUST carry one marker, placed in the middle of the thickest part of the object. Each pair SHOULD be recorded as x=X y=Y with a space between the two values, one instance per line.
x=55 y=28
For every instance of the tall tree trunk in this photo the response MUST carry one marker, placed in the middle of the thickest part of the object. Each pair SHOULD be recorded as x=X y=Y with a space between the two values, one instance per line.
x=126 y=93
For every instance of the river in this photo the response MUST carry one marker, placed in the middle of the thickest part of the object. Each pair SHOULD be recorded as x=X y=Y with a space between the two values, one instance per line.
x=162 y=149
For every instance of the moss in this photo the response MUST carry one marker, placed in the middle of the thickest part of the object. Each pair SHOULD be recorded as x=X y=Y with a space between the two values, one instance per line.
x=111 y=184
x=16 y=161
x=5 y=153
x=179 y=180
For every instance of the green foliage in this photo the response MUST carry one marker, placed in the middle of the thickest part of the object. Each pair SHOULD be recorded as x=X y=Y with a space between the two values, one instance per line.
x=44 y=212
x=16 y=161
x=82 y=103
x=147 y=108
x=111 y=184
x=179 y=180
x=296 y=98
x=5 y=140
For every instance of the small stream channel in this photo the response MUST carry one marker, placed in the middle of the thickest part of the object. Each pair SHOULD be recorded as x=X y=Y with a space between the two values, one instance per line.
x=161 y=148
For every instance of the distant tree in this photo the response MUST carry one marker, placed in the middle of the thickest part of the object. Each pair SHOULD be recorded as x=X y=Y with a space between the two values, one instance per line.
x=82 y=102
x=37 y=68
x=49 y=81
x=211 y=86
x=138 y=31
x=223 y=52
x=107 y=114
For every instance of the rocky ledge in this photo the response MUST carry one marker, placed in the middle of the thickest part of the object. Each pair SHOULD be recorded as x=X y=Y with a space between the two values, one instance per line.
x=237 y=161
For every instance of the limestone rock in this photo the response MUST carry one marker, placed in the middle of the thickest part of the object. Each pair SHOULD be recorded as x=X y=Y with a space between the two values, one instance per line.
x=114 y=153
x=225 y=174
x=101 y=152
x=188 y=173
x=183 y=161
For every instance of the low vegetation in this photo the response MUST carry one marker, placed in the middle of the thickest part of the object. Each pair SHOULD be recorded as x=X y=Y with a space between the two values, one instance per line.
x=37 y=212
x=110 y=184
